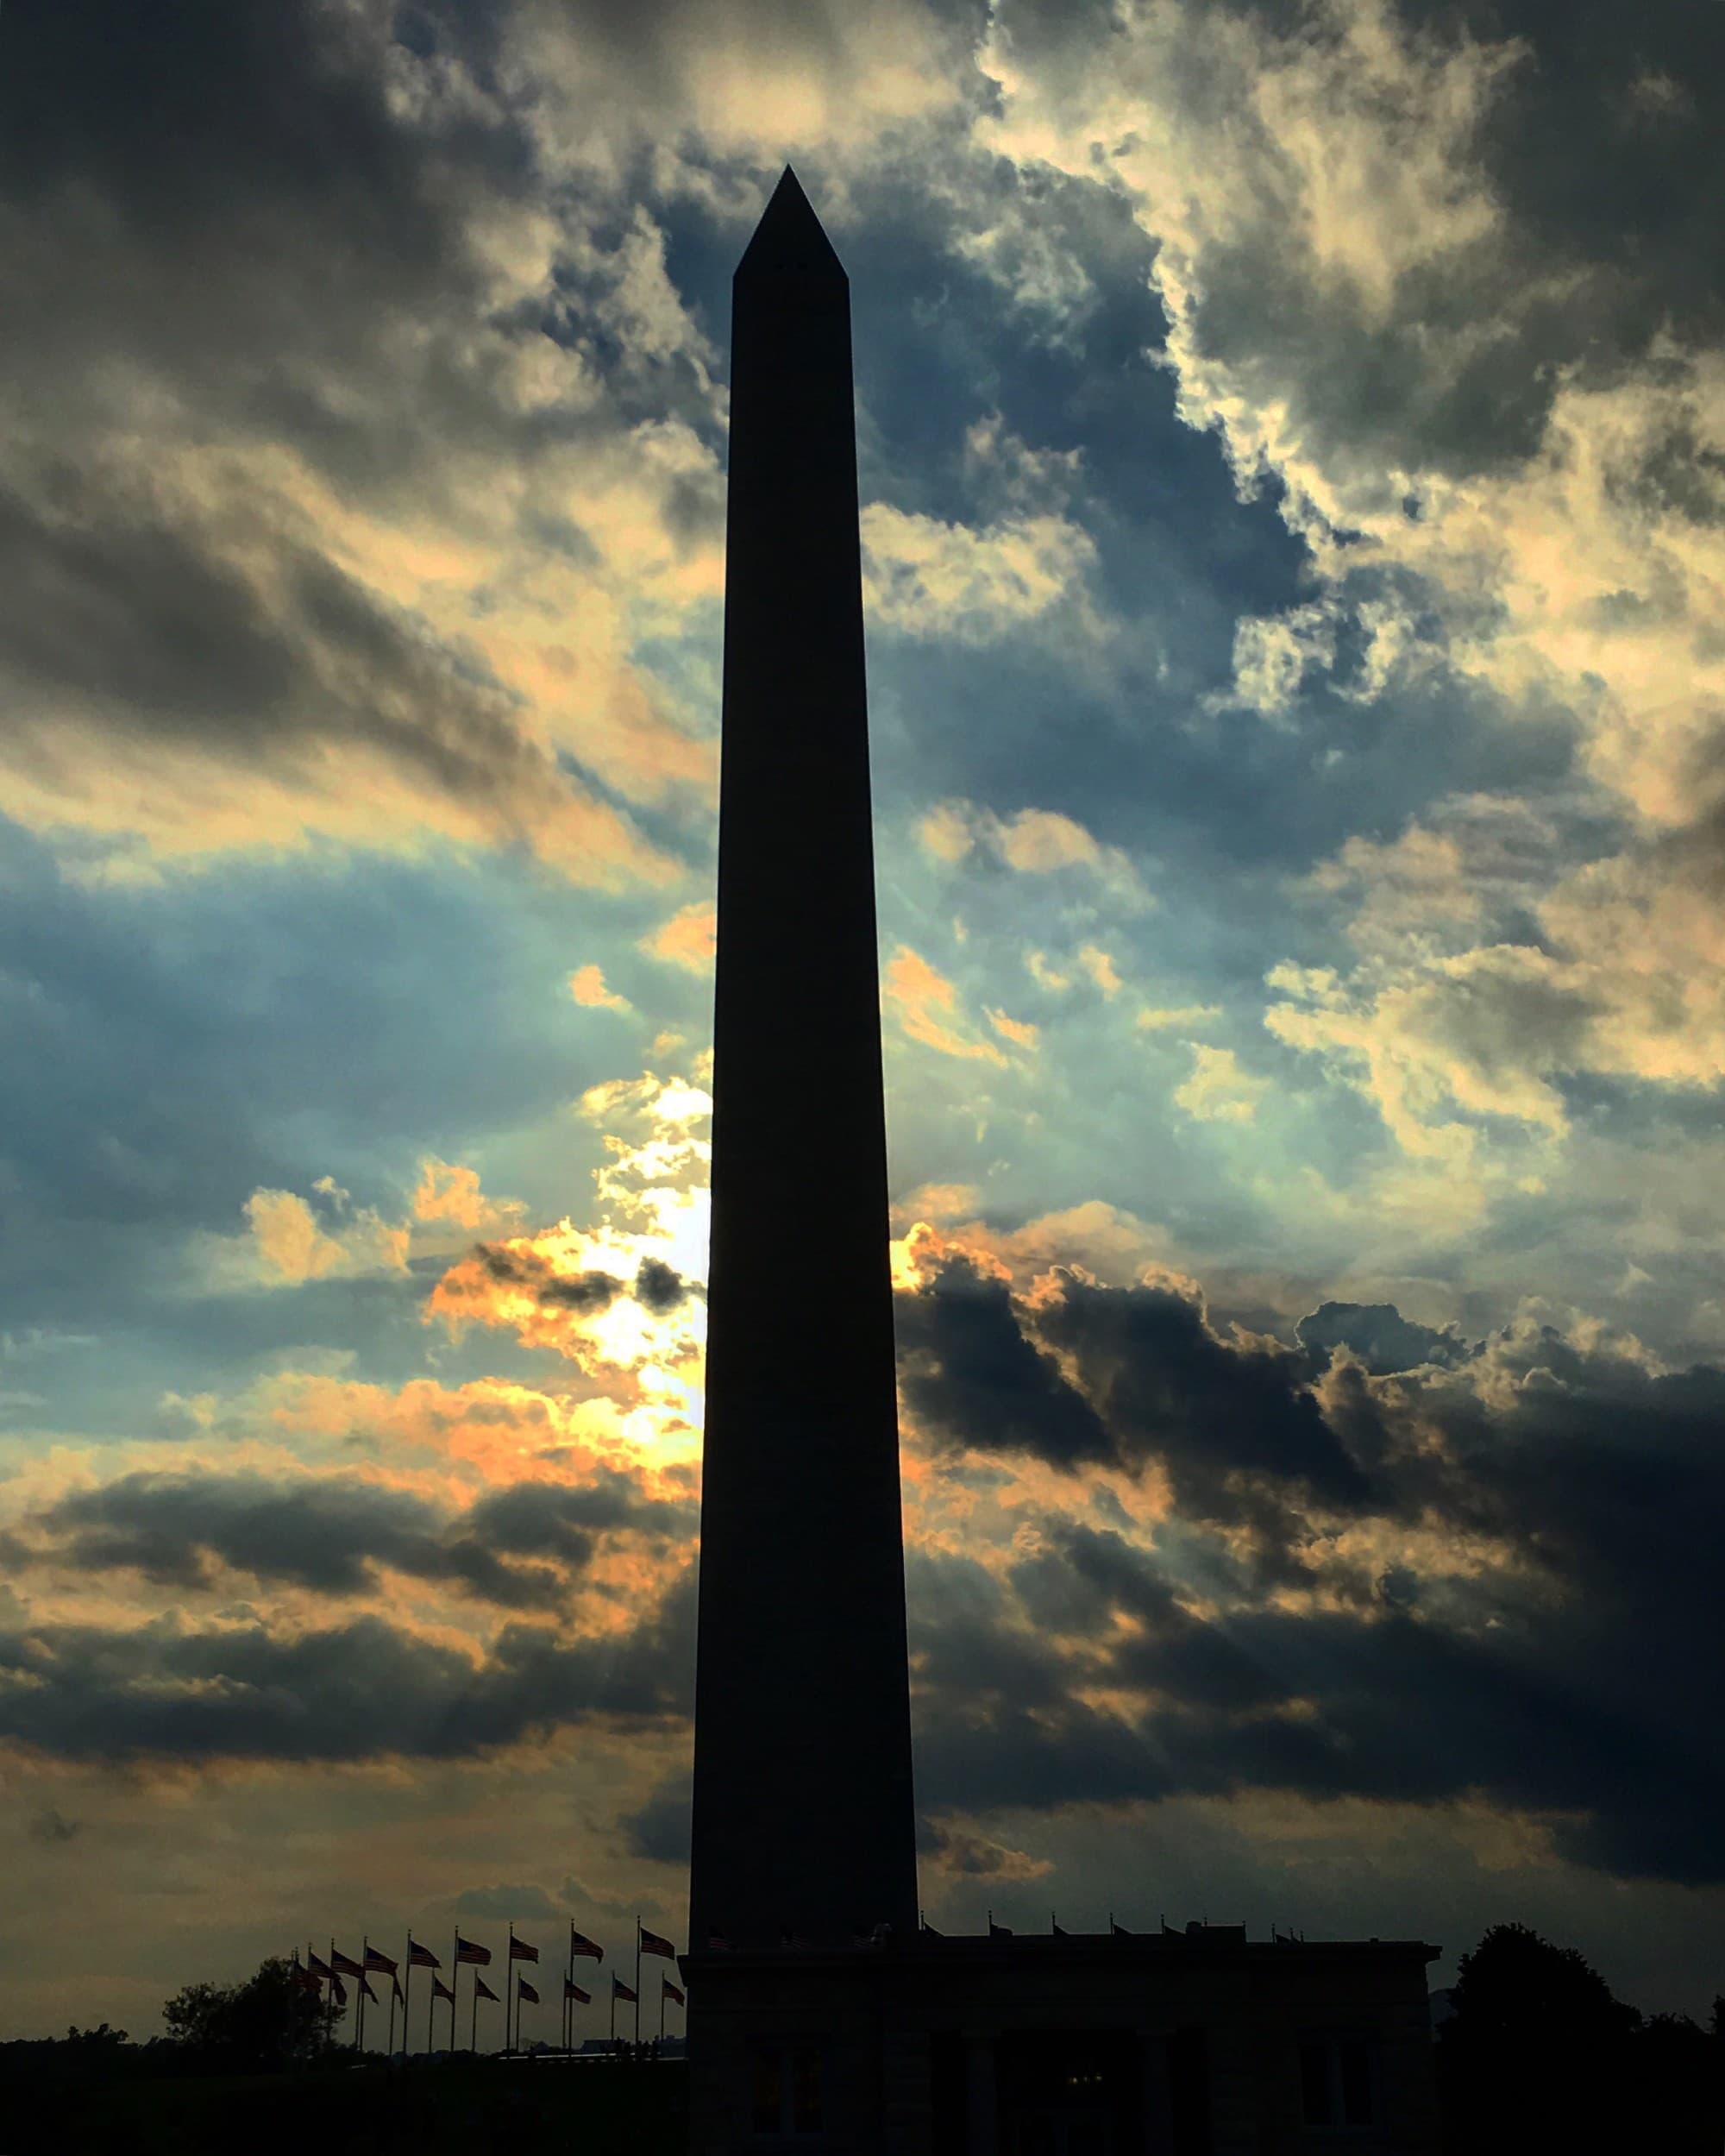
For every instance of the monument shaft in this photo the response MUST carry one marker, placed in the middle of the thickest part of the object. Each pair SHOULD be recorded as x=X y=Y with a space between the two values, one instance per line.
x=803 y=1810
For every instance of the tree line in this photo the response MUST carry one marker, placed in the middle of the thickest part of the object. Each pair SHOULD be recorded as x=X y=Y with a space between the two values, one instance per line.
x=1534 y=2052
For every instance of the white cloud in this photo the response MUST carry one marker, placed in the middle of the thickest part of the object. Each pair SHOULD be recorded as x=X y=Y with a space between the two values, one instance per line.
x=1218 y=1090
x=927 y=578
x=1031 y=841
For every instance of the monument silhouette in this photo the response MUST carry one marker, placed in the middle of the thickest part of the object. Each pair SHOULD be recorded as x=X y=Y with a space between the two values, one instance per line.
x=802 y=1695
x=822 y=2014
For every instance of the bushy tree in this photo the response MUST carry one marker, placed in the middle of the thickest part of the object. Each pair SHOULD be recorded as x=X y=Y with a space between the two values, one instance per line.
x=1538 y=2053
x=269 y=2021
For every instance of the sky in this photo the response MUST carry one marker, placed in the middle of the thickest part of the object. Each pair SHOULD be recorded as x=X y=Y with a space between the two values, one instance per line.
x=1292 y=448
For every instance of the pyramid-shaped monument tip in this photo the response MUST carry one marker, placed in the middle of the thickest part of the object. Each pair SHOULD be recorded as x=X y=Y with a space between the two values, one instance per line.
x=789 y=240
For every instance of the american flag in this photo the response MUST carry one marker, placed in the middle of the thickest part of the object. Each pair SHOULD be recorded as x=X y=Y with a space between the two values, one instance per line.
x=441 y=1990
x=671 y=1992
x=717 y=1943
x=520 y=1950
x=620 y=1990
x=365 y=1987
x=340 y=1990
x=319 y=1966
x=345 y=1965
x=580 y=1944
x=482 y=1989
x=652 y=1943
x=375 y=1961
x=420 y=1957
x=525 y=1991
x=468 y=1950
x=305 y=1977
x=572 y=1990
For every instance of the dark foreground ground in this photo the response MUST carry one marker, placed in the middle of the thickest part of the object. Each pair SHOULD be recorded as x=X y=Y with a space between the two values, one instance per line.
x=599 y=2106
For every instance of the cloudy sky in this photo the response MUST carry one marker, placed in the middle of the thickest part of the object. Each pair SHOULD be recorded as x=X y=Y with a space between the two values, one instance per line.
x=1293 y=459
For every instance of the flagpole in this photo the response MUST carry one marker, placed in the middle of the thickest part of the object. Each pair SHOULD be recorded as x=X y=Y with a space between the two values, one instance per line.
x=406 y=1997
x=509 y=2000
x=334 y=1981
x=568 y=2003
x=637 y=1976
x=389 y=2041
x=365 y=1944
x=474 y=2029
x=662 y=2009
x=613 y=2006
x=454 y=1983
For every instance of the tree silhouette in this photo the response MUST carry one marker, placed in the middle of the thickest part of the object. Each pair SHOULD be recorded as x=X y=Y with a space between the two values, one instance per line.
x=1538 y=2053
x=267 y=2022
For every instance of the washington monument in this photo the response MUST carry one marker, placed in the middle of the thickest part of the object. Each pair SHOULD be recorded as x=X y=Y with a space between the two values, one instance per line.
x=804 y=1823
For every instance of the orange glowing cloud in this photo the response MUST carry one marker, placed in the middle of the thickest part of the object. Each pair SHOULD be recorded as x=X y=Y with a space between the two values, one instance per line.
x=292 y=1244
x=1018 y=1031
x=688 y=939
x=923 y=999
x=587 y=986
x=451 y=1194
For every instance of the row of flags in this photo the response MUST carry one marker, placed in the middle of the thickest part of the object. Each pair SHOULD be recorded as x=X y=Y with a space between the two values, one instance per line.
x=325 y=1976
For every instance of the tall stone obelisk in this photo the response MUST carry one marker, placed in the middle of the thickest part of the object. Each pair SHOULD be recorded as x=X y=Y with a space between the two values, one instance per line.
x=803 y=1814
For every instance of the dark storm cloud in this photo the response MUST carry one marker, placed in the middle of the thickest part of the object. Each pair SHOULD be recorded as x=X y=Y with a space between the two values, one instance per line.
x=54 y=1828
x=1216 y=1414
x=1380 y=1335
x=658 y=1287
x=1603 y=143
x=525 y=1267
x=503 y=1902
x=1077 y=1585
x=333 y=1536
x=1586 y=134
x=137 y=618
x=211 y=181
x=552 y=1520
x=963 y=1645
x=659 y=1830
x=366 y=1690
x=265 y=231
x=1233 y=1423
x=1572 y=1674
x=971 y=1375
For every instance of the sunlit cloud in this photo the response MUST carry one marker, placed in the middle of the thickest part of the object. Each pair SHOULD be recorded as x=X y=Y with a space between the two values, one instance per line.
x=1219 y=1090
x=927 y=1005
x=1033 y=842
x=687 y=939
x=587 y=986
x=291 y=1244
x=923 y=578
x=1100 y=966
x=1019 y=1031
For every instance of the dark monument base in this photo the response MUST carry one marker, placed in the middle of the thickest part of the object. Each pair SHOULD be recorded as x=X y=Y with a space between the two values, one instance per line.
x=1175 y=2044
